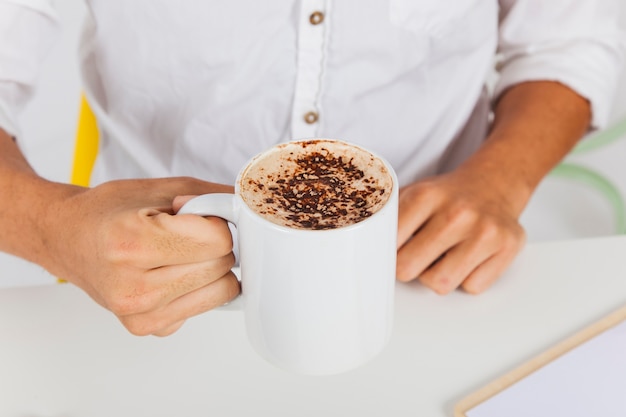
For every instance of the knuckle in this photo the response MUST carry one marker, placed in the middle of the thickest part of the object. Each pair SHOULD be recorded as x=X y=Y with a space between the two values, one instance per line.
x=224 y=245
x=514 y=241
x=461 y=214
x=510 y=238
x=122 y=306
x=169 y=330
x=222 y=240
x=234 y=288
x=427 y=187
x=216 y=269
x=165 y=333
x=418 y=191
x=119 y=252
x=521 y=236
x=138 y=326
x=227 y=262
x=125 y=305
x=119 y=244
x=510 y=243
x=489 y=230
x=184 y=179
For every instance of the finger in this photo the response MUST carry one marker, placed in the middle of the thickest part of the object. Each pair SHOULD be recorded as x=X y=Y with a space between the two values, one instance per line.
x=435 y=238
x=180 y=201
x=191 y=304
x=171 y=187
x=447 y=274
x=490 y=247
x=489 y=271
x=161 y=239
x=161 y=191
x=173 y=281
x=160 y=286
x=169 y=330
x=194 y=238
x=415 y=208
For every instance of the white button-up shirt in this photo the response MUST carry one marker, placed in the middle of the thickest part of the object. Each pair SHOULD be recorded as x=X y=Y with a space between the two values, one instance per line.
x=198 y=87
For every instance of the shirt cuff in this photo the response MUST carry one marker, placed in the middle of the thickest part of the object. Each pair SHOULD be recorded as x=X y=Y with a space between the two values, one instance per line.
x=590 y=69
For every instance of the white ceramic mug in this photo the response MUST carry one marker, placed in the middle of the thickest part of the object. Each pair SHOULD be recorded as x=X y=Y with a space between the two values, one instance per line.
x=316 y=302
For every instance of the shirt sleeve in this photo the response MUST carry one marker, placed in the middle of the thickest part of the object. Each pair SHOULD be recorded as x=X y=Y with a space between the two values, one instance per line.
x=577 y=43
x=27 y=31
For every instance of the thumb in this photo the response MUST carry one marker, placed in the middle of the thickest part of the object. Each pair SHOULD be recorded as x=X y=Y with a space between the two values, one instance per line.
x=180 y=201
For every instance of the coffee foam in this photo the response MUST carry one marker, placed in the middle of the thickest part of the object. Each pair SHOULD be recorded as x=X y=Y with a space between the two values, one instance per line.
x=316 y=184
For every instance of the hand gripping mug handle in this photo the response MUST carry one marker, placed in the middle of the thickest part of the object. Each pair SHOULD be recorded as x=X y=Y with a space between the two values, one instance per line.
x=219 y=205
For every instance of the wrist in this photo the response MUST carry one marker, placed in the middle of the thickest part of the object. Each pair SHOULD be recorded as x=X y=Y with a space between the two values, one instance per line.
x=535 y=125
x=41 y=217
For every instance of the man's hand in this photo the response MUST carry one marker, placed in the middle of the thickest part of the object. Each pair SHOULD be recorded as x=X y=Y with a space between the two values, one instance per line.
x=455 y=232
x=461 y=229
x=123 y=245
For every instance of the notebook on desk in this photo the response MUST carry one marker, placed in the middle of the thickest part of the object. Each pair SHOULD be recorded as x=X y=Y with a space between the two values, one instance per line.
x=584 y=375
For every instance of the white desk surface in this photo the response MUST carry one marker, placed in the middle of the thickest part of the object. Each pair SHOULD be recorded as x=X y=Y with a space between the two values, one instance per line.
x=61 y=355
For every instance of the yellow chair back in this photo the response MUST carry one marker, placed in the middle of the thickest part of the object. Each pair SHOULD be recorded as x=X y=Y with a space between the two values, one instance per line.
x=86 y=147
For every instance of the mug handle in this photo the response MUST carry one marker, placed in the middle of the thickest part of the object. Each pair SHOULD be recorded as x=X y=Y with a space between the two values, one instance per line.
x=217 y=204
x=220 y=205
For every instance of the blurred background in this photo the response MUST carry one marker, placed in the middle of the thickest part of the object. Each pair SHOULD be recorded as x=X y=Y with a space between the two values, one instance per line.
x=562 y=208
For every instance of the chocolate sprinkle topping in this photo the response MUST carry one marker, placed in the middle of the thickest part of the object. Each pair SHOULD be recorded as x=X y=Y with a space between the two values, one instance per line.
x=322 y=191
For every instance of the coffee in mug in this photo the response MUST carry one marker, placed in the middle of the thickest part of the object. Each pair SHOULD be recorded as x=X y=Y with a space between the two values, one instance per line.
x=316 y=184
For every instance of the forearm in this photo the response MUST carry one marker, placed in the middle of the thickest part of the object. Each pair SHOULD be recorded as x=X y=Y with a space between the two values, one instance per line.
x=25 y=204
x=535 y=125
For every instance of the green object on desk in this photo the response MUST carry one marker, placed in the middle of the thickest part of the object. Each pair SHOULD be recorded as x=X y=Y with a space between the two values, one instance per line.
x=600 y=183
x=594 y=179
x=602 y=138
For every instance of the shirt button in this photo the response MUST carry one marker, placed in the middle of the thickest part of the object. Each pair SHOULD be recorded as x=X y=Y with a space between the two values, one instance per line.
x=316 y=18
x=311 y=117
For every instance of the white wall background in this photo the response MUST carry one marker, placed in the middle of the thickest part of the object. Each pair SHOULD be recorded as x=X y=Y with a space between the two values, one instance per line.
x=560 y=209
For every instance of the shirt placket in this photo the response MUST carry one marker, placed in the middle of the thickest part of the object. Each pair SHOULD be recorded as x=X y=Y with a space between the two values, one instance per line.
x=312 y=35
